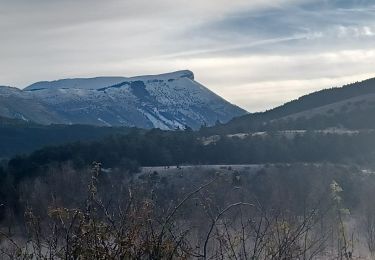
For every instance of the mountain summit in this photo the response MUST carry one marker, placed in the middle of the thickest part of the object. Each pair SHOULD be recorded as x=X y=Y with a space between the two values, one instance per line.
x=165 y=101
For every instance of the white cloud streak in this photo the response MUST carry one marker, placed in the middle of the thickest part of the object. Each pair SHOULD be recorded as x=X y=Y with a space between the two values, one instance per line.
x=257 y=53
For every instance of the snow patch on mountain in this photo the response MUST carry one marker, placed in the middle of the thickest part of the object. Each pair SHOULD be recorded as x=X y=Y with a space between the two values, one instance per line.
x=166 y=101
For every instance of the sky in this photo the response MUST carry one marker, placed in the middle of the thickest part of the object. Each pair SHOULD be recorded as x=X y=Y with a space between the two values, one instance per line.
x=255 y=53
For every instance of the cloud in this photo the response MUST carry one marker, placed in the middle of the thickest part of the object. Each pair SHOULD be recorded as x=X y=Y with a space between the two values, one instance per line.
x=243 y=50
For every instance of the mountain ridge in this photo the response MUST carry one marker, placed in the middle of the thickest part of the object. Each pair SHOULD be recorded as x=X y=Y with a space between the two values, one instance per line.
x=166 y=101
x=106 y=80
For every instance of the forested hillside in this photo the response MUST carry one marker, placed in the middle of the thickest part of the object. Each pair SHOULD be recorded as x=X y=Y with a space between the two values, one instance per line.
x=349 y=106
x=20 y=137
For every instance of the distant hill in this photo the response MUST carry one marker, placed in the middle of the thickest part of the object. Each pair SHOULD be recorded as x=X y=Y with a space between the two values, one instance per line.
x=351 y=106
x=20 y=137
x=167 y=101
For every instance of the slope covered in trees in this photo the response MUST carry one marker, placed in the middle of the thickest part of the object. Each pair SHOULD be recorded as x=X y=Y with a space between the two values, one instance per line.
x=20 y=137
x=332 y=107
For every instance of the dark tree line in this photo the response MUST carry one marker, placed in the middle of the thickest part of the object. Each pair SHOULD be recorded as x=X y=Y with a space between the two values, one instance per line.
x=163 y=148
x=158 y=148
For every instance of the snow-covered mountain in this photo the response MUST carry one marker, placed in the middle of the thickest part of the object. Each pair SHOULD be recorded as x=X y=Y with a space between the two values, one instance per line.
x=166 y=101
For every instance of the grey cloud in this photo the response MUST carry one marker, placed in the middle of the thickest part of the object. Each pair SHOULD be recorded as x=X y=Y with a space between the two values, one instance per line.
x=306 y=17
x=232 y=46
